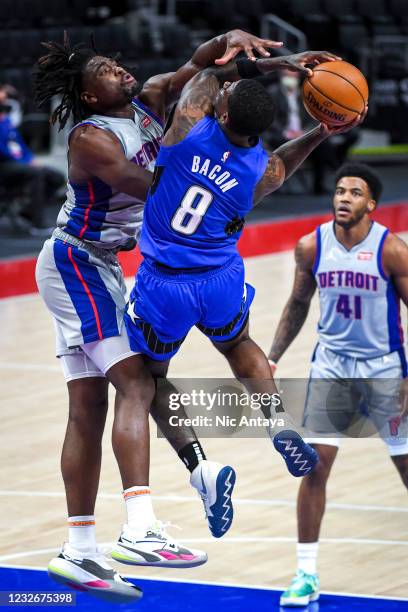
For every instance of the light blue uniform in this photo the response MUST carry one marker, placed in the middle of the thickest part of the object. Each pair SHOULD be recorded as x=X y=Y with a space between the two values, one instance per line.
x=360 y=342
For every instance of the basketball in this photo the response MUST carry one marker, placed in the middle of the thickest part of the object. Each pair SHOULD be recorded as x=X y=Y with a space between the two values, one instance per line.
x=336 y=93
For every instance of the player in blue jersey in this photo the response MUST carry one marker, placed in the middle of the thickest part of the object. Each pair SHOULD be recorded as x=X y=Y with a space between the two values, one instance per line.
x=112 y=150
x=361 y=272
x=210 y=172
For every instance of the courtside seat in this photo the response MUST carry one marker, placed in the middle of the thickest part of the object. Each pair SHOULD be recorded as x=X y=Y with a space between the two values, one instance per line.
x=309 y=11
x=351 y=36
x=374 y=11
x=176 y=39
x=399 y=9
x=385 y=29
x=342 y=11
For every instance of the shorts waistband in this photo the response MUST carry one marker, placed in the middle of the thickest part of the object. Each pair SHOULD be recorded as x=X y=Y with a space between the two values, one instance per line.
x=189 y=274
x=110 y=255
x=398 y=351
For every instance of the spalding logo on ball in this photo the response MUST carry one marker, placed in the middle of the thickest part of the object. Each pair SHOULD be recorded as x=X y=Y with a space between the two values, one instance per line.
x=336 y=93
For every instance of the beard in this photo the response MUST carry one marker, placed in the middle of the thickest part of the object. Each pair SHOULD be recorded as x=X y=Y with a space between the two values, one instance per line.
x=352 y=221
x=133 y=90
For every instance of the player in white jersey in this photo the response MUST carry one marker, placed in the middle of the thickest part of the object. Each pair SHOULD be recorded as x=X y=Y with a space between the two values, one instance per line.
x=361 y=272
x=111 y=154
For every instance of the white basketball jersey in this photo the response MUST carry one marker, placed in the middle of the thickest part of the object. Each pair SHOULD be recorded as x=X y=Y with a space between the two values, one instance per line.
x=94 y=211
x=359 y=306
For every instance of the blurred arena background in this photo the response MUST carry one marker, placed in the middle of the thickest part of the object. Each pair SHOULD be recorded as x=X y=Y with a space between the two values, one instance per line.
x=365 y=539
x=158 y=37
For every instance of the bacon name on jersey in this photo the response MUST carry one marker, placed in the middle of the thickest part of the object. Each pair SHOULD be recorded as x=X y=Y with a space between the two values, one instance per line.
x=214 y=172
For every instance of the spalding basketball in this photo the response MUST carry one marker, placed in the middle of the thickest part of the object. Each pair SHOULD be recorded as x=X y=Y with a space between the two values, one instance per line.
x=336 y=93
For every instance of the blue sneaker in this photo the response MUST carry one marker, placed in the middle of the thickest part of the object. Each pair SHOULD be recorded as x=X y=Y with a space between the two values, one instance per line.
x=303 y=590
x=214 y=483
x=299 y=456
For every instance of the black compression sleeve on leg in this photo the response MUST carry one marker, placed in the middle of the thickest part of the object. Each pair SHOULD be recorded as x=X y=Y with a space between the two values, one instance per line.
x=191 y=455
x=247 y=69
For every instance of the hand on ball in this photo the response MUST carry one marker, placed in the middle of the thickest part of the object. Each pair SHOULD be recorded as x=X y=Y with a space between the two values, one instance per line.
x=299 y=61
x=328 y=130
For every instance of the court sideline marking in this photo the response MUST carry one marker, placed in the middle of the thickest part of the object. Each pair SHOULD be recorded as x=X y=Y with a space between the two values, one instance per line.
x=237 y=501
x=231 y=540
x=221 y=584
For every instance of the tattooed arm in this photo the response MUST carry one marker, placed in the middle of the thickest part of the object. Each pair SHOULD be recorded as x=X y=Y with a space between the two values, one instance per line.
x=196 y=101
x=288 y=157
x=286 y=160
x=295 y=312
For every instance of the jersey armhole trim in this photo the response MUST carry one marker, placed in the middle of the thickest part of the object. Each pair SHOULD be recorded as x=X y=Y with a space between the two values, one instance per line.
x=379 y=255
x=318 y=250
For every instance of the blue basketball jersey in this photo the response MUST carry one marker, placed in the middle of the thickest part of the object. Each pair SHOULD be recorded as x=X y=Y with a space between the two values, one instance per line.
x=202 y=189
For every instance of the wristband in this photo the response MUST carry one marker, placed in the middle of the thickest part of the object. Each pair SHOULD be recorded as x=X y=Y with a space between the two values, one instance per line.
x=247 y=69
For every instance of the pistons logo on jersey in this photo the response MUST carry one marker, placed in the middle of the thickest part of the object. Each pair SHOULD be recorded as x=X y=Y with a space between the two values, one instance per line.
x=365 y=255
x=146 y=121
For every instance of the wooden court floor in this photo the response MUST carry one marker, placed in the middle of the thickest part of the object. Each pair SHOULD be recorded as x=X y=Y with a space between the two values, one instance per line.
x=364 y=541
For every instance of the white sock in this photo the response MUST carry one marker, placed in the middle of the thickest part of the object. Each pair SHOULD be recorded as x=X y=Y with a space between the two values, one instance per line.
x=307 y=557
x=139 y=508
x=81 y=533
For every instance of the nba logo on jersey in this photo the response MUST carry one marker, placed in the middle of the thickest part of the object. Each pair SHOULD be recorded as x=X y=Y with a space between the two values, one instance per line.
x=226 y=155
x=146 y=121
x=365 y=255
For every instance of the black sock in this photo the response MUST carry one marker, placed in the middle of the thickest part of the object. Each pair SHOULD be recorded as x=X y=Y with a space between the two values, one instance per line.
x=191 y=454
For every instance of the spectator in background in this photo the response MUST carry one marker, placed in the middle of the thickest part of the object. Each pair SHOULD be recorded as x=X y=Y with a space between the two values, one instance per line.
x=292 y=121
x=19 y=168
x=13 y=100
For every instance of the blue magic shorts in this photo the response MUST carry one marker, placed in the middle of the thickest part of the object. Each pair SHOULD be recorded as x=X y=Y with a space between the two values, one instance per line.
x=166 y=303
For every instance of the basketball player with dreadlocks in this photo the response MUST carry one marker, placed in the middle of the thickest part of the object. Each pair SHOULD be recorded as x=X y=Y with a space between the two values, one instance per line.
x=112 y=150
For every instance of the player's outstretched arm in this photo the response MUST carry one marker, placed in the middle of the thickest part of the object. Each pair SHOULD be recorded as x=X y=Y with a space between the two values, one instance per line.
x=286 y=160
x=244 y=68
x=164 y=89
x=95 y=152
x=295 y=312
x=293 y=153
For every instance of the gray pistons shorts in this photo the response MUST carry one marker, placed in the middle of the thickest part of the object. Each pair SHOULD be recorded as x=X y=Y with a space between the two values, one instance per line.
x=84 y=289
x=348 y=397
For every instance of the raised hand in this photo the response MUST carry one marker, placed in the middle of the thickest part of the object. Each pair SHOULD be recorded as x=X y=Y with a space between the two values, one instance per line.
x=238 y=40
x=328 y=130
x=299 y=61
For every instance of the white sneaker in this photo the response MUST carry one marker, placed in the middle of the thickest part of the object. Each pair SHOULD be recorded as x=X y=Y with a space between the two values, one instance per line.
x=92 y=573
x=215 y=483
x=155 y=548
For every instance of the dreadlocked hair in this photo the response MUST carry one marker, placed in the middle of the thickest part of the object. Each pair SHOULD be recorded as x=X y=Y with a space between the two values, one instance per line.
x=60 y=73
